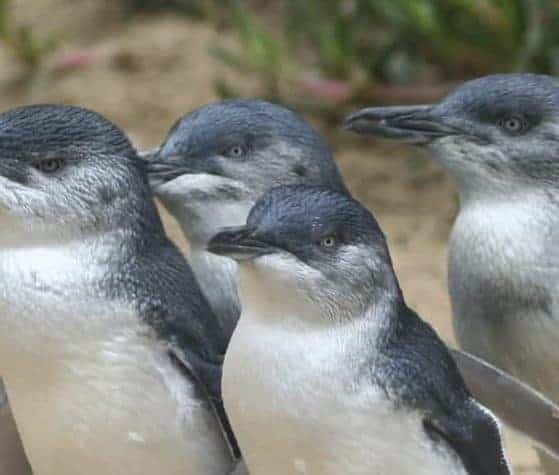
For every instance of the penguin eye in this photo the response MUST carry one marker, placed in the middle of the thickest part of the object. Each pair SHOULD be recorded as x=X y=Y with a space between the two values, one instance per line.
x=236 y=151
x=514 y=124
x=328 y=242
x=49 y=166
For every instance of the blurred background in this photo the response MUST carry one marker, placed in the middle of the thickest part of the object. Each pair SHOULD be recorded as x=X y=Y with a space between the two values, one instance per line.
x=143 y=63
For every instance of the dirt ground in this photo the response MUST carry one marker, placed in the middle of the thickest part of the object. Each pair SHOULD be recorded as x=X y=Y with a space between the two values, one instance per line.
x=144 y=72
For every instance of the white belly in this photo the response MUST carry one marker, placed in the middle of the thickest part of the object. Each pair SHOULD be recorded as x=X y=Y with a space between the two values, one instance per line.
x=296 y=410
x=117 y=414
x=92 y=392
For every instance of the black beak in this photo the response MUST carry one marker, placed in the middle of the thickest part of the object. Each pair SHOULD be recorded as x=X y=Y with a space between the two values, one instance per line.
x=239 y=243
x=417 y=125
x=161 y=170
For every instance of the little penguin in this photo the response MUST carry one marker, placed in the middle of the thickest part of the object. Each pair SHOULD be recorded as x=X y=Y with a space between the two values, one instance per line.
x=110 y=353
x=498 y=139
x=328 y=370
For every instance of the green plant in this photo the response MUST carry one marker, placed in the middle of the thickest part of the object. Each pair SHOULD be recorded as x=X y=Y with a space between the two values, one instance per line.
x=368 y=42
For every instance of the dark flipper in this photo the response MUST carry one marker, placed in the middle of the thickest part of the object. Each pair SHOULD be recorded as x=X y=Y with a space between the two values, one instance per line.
x=474 y=435
x=519 y=406
x=12 y=457
x=206 y=386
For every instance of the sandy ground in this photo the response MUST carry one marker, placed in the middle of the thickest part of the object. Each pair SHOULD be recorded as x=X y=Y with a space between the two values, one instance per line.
x=144 y=72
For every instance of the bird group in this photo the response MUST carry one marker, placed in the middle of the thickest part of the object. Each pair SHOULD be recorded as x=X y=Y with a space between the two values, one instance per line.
x=283 y=343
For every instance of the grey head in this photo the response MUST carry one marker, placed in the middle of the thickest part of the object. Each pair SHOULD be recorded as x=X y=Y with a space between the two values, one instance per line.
x=329 y=252
x=67 y=172
x=215 y=163
x=323 y=244
x=490 y=133
x=217 y=160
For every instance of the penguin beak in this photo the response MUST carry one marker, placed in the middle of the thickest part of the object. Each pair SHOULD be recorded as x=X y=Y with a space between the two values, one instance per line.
x=160 y=169
x=239 y=243
x=418 y=124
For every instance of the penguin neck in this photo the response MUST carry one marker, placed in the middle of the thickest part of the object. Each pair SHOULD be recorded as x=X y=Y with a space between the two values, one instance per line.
x=218 y=276
x=218 y=279
x=518 y=219
x=276 y=302
x=87 y=259
x=201 y=221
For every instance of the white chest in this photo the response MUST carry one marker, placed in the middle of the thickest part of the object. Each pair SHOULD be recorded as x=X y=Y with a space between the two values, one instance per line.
x=91 y=390
x=48 y=296
x=298 y=407
x=503 y=279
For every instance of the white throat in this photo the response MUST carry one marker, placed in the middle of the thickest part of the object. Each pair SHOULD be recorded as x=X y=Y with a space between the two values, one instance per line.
x=201 y=221
x=201 y=204
x=511 y=238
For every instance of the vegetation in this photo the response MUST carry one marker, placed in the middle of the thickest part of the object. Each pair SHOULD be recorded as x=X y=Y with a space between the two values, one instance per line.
x=348 y=50
x=364 y=44
x=326 y=54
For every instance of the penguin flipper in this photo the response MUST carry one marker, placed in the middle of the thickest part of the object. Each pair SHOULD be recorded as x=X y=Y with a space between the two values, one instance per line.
x=474 y=435
x=205 y=374
x=515 y=403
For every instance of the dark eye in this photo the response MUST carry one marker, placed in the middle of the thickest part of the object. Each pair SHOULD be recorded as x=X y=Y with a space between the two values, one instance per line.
x=236 y=151
x=51 y=165
x=514 y=124
x=328 y=241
